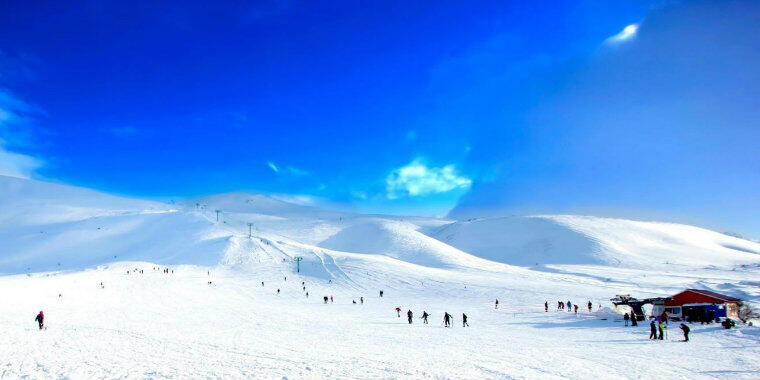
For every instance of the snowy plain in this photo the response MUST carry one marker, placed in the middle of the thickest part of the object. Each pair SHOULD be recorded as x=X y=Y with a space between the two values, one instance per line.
x=58 y=243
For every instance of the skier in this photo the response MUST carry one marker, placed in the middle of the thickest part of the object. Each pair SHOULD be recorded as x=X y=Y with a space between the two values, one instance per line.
x=381 y=294
x=424 y=317
x=662 y=331
x=40 y=318
x=304 y=288
x=652 y=330
x=325 y=298
x=307 y=294
x=546 y=307
x=331 y=299
x=634 y=322
x=361 y=299
x=262 y=283
x=575 y=308
x=398 y=312
x=626 y=318
x=409 y=316
x=354 y=301
x=278 y=291
x=569 y=305
x=685 y=332
x=589 y=306
x=464 y=320
x=496 y=304
x=559 y=305
x=446 y=319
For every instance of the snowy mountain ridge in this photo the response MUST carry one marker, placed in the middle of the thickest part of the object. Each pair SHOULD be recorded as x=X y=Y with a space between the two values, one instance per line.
x=65 y=224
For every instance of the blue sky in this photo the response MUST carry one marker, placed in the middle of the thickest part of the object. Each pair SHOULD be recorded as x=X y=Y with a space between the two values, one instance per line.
x=470 y=108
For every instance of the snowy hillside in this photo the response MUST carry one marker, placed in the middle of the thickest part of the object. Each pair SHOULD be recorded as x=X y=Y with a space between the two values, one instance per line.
x=570 y=239
x=238 y=304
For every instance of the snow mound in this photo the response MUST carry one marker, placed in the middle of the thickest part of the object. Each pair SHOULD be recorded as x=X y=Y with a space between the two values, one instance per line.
x=400 y=240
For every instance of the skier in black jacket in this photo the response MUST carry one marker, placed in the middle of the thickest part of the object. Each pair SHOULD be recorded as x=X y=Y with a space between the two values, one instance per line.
x=464 y=320
x=409 y=316
x=424 y=317
x=653 y=330
x=686 y=330
x=40 y=318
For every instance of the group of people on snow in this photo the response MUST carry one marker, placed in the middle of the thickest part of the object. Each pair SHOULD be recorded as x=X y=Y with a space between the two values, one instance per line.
x=561 y=305
x=447 y=318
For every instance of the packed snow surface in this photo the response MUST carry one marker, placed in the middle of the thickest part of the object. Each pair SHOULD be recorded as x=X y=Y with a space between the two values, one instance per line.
x=211 y=316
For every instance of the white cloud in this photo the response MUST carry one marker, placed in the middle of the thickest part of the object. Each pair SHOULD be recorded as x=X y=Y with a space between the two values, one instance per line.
x=16 y=164
x=416 y=179
x=287 y=170
x=626 y=34
x=13 y=116
x=299 y=199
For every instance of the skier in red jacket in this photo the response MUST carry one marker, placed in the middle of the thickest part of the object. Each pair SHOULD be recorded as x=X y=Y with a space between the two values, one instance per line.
x=40 y=319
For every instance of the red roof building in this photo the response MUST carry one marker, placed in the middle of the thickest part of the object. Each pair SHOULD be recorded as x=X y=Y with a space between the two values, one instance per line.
x=697 y=298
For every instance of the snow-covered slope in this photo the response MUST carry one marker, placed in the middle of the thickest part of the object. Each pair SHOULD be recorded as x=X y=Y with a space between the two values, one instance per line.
x=240 y=305
x=572 y=239
x=48 y=227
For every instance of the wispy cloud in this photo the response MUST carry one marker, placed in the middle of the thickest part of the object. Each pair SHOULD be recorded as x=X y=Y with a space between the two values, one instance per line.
x=628 y=33
x=287 y=170
x=299 y=199
x=13 y=118
x=417 y=179
x=17 y=164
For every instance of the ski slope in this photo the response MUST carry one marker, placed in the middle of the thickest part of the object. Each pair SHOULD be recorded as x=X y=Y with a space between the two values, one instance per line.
x=62 y=240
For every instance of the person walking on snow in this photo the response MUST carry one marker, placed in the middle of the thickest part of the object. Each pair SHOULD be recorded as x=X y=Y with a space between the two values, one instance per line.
x=409 y=316
x=589 y=306
x=496 y=304
x=685 y=332
x=361 y=299
x=40 y=318
x=546 y=307
x=662 y=331
x=634 y=322
x=652 y=331
x=575 y=308
x=424 y=317
x=446 y=319
x=398 y=312
x=464 y=320
x=331 y=299
x=569 y=306
x=626 y=317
